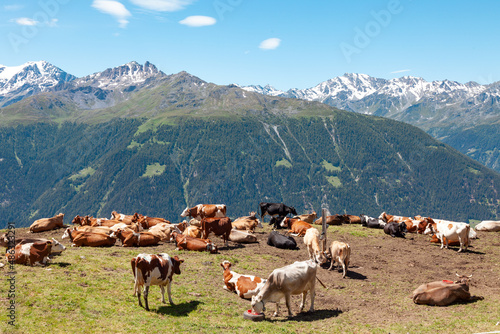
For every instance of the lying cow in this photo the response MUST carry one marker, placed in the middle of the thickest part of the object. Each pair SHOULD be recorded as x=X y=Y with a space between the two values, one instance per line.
x=488 y=226
x=313 y=244
x=296 y=227
x=242 y=237
x=79 y=238
x=294 y=279
x=371 y=222
x=247 y=223
x=443 y=293
x=395 y=229
x=201 y=211
x=130 y=238
x=127 y=219
x=308 y=218
x=32 y=254
x=193 y=231
x=339 y=252
x=90 y=229
x=163 y=231
x=447 y=231
x=334 y=220
x=57 y=247
x=148 y=222
x=245 y=286
x=194 y=244
x=47 y=224
x=154 y=269
x=278 y=240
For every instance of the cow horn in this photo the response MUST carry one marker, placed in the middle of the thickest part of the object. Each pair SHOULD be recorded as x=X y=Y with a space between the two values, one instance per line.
x=457 y=274
x=469 y=276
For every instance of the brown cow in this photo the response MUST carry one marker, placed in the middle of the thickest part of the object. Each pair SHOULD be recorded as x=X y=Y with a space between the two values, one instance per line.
x=205 y=210
x=33 y=253
x=219 y=226
x=308 y=218
x=247 y=223
x=130 y=238
x=194 y=244
x=90 y=229
x=339 y=252
x=79 y=238
x=99 y=222
x=354 y=219
x=47 y=224
x=297 y=227
x=443 y=293
x=193 y=231
x=148 y=222
x=334 y=220
x=127 y=219
x=162 y=230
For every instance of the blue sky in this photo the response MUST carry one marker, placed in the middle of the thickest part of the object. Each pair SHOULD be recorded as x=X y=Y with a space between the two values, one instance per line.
x=287 y=44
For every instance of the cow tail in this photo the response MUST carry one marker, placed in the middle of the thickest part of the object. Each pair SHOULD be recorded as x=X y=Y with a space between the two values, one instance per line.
x=321 y=282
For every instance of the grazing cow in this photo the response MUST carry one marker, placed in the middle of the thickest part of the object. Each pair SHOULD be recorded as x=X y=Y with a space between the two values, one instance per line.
x=443 y=293
x=219 y=226
x=339 y=252
x=395 y=229
x=278 y=240
x=205 y=210
x=312 y=242
x=154 y=269
x=247 y=223
x=193 y=231
x=127 y=219
x=242 y=237
x=294 y=279
x=47 y=224
x=308 y=218
x=447 y=231
x=276 y=209
x=488 y=226
x=32 y=253
x=57 y=247
x=130 y=238
x=245 y=286
x=79 y=238
x=296 y=227
x=371 y=222
x=334 y=220
x=194 y=244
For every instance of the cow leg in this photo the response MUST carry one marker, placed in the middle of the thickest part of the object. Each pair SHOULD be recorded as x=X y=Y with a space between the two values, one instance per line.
x=343 y=268
x=303 y=303
x=461 y=243
x=313 y=295
x=288 y=304
x=169 y=294
x=146 y=293
x=162 y=288
x=139 y=298
x=277 y=309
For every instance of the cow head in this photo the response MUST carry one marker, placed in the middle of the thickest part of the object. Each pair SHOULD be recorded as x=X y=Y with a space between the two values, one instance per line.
x=67 y=233
x=402 y=227
x=462 y=279
x=57 y=247
x=176 y=262
x=285 y=222
x=257 y=304
x=77 y=220
x=212 y=248
x=225 y=264
x=185 y=213
x=292 y=210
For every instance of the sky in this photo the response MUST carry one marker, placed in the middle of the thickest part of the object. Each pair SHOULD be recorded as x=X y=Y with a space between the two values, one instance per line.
x=286 y=44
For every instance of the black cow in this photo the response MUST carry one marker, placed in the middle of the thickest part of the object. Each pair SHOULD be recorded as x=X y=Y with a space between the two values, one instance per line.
x=395 y=229
x=372 y=222
x=275 y=209
x=276 y=221
x=281 y=241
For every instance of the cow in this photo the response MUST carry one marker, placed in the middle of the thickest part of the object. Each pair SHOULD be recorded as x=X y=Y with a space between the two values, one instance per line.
x=371 y=222
x=135 y=227
x=247 y=223
x=131 y=238
x=194 y=244
x=90 y=229
x=275 y=221
x=275 y=209
x=57 y=247
x=313 y=244
x=339 y=252
x=294 y=279
x=193 y=231
x=395 y=229
x=488 y=226
x=127 y=219
x=163 y=231
x=47 y=224
x=392 y=218
x=278 y=240
x=100 y=222
x=443 y=293
x=79 y=238
x=148 y=222
x=154 y=269
x=334 y=220
x=32 y=253
x=354 y=219
x=219 y=226
x=242 y=237
x=296 y=227
x=201 y=211
x=308 y=218
x=447 y=231
x=245 y=286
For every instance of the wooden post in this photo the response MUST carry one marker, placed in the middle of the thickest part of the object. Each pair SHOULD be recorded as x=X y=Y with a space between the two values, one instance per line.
x=324 y=213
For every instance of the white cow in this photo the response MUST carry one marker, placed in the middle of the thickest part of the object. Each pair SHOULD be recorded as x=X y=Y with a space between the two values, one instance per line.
x=340 y=252
x=312 y=242
x=489 y=226
x=294 y=279
x=450 y=231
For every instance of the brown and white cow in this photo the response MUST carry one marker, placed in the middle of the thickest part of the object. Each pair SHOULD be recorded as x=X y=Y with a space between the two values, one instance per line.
x=392 y=218
x=296 y=227
x=201 y=211
x=154 y=269
x=148 y=222
x=47 y=224
x=130 y=238
x=443 y=293
x=219 y=226
x=488 y=226
x=294 y=279
x=32 y=254
x=127 y=219
x=247 y=223
x=242 y=237
x=195 y=244
x=308 y=218
x=245 y=286
x=79 y=238
x=57 y=247
x=447 y=231
x=339 y=252
x=313 y=244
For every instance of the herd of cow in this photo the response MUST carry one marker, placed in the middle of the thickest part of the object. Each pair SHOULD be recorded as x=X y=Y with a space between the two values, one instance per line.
x=297 y=278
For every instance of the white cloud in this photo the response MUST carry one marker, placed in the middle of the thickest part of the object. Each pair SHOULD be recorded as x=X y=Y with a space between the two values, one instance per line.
x=24 y=21
x=113 y=8
x=270 y=43
x=163 y=5
x=12 y=7
x=198 y=21
x=400 y=71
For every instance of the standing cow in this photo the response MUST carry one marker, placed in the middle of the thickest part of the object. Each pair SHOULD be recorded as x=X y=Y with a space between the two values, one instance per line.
x=276 y=209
